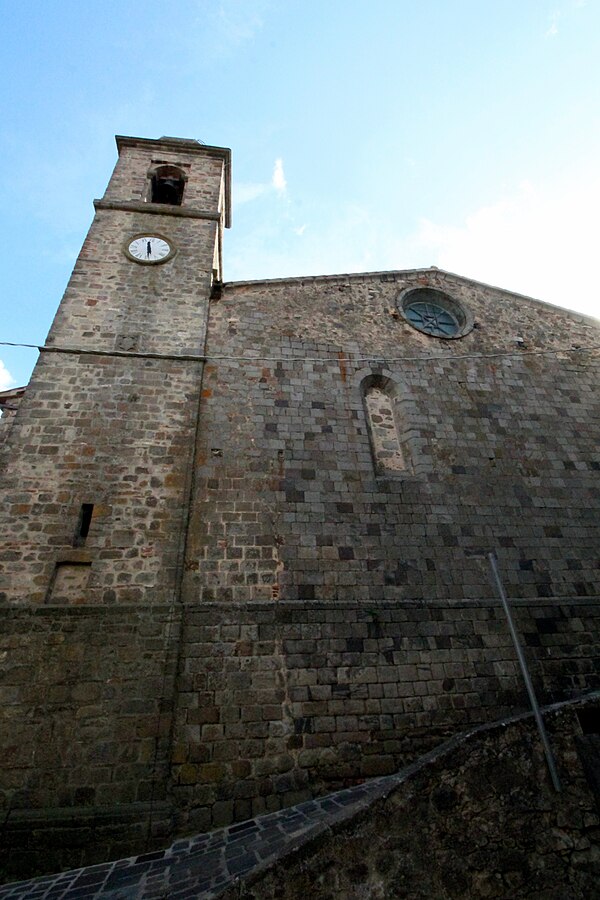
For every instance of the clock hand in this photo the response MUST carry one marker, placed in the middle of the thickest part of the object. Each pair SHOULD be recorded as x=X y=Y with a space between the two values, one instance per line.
x=148 y=249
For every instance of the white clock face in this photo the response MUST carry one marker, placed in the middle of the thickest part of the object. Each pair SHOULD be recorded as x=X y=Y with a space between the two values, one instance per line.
x=149 y=248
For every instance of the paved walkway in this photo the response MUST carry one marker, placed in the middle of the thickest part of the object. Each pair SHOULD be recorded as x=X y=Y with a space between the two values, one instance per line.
x=205 y=865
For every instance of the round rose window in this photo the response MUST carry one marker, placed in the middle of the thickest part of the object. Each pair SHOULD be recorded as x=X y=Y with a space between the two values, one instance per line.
x=434 y=312
x=432 y=319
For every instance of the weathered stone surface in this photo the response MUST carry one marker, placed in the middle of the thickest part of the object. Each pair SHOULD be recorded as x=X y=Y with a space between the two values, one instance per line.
x=85 y=708
x=342 y=691
x=481 y=821
x=475 y=817
x=244 y=525
x=498 y=441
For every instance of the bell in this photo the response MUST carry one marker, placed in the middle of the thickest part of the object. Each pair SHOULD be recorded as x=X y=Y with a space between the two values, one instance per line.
x=167 y=190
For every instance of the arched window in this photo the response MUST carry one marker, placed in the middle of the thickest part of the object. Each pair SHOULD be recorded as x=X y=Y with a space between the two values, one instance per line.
x=381 y=410
x=166 y=185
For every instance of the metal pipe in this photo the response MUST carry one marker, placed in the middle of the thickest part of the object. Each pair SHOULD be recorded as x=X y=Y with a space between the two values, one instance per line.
x=522 y=662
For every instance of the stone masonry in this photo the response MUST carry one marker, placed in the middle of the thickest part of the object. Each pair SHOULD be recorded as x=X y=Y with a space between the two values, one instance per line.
x=498 y=430
x=95 y=484
x=245 y=527
x=485 y=792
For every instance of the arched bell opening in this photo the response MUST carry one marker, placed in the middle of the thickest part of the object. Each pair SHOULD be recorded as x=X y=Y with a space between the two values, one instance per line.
x=167 y=184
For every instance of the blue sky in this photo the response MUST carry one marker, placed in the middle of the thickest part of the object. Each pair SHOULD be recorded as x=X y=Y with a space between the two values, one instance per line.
x=366 y=135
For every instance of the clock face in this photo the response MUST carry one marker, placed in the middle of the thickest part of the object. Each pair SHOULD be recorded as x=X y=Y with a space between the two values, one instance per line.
x=148 y=248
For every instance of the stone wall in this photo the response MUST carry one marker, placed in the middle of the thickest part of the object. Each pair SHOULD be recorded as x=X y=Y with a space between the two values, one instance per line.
x=475 y=817
x=274 y=703
x=279 y=702
x=109 y=431
x=480 y=821
x=86 y=702
x=113 y=303
x=337 y=614
x=203 y=169
x=498 y=432
x=9 y=404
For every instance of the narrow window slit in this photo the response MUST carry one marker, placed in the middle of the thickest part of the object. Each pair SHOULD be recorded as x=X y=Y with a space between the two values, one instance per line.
x=83 y=524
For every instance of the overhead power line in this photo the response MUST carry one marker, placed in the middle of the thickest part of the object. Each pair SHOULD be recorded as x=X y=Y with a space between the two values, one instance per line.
x=349 y=355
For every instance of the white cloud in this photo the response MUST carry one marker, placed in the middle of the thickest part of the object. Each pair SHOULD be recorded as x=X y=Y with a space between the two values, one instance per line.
x=540 y=241
x=232 y=24
x=6 y=379
x=244 y=192
x=553 y=19
x=278 y=180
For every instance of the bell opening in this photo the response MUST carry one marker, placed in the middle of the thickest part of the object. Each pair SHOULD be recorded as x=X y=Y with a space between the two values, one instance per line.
x=166 y=186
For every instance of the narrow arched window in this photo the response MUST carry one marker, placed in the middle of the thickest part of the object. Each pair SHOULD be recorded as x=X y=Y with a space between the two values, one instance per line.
x=384 y=434
x=166 y=185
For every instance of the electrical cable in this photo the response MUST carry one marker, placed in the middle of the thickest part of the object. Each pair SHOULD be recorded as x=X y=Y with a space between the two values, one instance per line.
x=515 y=354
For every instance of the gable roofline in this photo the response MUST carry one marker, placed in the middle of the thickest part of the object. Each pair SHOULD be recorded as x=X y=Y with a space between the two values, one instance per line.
x=392 y=274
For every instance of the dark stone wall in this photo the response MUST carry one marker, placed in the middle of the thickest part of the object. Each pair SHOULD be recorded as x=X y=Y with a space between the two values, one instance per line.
x=98 y=430
x=279 y=702
x=498 y=430
x=336 y=620
x=342 y=620
x=86 y=701
x=274 y=703
x=482 y=821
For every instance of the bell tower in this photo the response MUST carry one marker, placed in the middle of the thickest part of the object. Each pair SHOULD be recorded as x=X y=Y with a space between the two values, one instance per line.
x=95 y=486
x=98 y=459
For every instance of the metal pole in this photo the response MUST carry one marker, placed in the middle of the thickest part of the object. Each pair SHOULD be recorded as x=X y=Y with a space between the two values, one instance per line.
x=522 y=662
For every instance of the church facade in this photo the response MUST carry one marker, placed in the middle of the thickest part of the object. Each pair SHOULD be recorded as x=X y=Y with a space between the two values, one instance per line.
x=246 y=525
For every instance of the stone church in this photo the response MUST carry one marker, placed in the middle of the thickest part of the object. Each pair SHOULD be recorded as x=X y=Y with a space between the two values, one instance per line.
x=246 y=525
